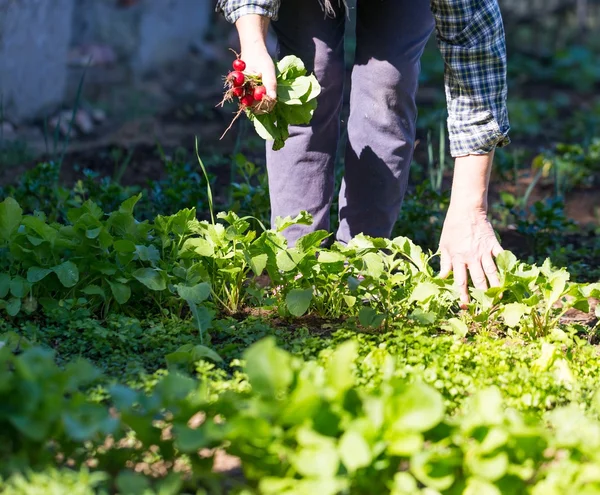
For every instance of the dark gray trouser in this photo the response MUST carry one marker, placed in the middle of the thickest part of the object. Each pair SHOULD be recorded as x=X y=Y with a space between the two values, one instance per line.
x=390 y=38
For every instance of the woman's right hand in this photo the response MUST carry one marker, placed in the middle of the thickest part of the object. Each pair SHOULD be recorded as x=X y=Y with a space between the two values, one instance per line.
x=252 y=30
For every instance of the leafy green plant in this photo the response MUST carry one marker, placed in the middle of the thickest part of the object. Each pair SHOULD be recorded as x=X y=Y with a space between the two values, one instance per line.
x=296 y=102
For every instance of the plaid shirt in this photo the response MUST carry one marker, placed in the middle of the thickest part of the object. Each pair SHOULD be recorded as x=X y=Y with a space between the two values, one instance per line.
x=470 y=36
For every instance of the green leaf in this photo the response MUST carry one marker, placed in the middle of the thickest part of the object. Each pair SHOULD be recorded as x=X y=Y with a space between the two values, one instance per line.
x=424 y=291
x=290 y=67
x=403 y=443
x=199 y=246
x=266 y=127
x=13 y=306
x=480 y=487
x=457 y=327
x=31 y=427
x=128 y=205
x=19 y=287
x=315 y=89
x=418 y=408
x=189 y=354
x=340 y=376
x=289 y=259
x=297 y=114
x=67 y=273
x=374 y=264
x=4 y=284
x=94 y=290
x=404 y=484
x=298 y=301
x=93 y=233
x=354 y=451
x=268 y=368
x=330 y=257
x=513 y=313
x=202 y=352
x=148 y=253
x=132 y=483
x=350 y=300
x=546 y=358
x=35 y=274
x=370 y=318
x=303 y=218
x=506 y=261
x=120 y=292
x=151 y=278
x=190 y=441
x=40 y=227
x=558 y=282
x=489 y=468
x=484 y=409
x=435 y=469
x=11 y=215
x=81 y=425
x=317 y=456
x=122 y=397
x=258 y=263
x=203 y=317
x=196 y=294
x=124 y=246
x=307 y=243
x=291 y=91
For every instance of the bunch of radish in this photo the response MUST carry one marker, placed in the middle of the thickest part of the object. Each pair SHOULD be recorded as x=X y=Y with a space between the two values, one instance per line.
x=247 y=89
x=295 y=104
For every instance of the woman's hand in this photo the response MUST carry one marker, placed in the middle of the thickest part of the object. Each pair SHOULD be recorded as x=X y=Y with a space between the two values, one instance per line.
x=468 y=242
x=252 y=30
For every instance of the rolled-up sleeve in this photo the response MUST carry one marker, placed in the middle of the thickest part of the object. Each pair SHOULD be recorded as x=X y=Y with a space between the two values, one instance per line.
x=232 y=10
x=471 y=39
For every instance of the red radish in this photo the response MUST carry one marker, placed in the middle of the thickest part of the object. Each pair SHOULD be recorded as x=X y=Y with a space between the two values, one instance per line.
x=237 y=78
x=259 y=93
x=247 y=100
x=239 y=65
x=239 y=91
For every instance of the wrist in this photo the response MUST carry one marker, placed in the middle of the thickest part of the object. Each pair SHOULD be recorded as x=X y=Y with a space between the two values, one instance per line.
x=470 y=183
x=252 y=30
x=468 y=200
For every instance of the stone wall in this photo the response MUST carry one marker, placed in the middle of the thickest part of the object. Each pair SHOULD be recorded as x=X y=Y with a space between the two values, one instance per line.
x=36 y=37
x=34 y=42
x=144 y=33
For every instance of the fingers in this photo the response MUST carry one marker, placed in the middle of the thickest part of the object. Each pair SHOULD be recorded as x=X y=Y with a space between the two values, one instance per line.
x=491 y=272
x=497 y=249
x=445 y=264
x=477 y=275
x=460 y=280
x=270 y=82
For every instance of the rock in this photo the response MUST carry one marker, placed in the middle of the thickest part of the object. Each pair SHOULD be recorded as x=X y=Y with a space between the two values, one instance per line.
x=7 y=130
x=83 y=121
x=93 y=55
x=98 y=115
x=62 y=124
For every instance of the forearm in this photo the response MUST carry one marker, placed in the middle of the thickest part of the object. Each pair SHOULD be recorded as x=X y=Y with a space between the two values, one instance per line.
x=252 y=30
x=471 y=183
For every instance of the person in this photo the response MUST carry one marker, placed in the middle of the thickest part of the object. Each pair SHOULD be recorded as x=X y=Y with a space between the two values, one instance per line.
x=390 y=38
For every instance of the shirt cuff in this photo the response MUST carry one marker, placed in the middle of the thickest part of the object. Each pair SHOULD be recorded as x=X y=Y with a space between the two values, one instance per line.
x=480 y=136
x=233 y=14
